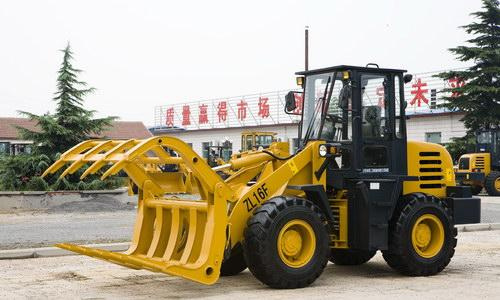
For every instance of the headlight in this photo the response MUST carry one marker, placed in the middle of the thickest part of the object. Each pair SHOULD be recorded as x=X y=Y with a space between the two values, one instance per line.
x=323 y=150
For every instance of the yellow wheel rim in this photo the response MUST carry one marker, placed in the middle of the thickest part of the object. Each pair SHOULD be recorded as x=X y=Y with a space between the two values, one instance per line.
x=427 y=235
x=296 y=243
x=497 y=184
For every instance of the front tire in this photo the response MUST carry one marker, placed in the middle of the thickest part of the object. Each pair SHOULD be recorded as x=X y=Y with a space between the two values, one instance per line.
x=235 y=264
x=492 y=183
x=422 y=237
x=287 y=243
x=348 y=257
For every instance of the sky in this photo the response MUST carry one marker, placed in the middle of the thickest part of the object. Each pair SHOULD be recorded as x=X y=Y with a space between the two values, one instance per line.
x=140 y=54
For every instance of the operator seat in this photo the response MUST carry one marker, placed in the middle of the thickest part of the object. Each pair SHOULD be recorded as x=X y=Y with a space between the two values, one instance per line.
x=371 y=121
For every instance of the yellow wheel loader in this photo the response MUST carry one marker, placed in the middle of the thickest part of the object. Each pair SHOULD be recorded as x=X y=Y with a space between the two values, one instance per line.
x=482 y=169
x=255 y=140
x=355 y=186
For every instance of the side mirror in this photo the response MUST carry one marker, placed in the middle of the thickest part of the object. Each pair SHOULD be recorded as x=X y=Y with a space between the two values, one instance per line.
x=407 y=78
x=290 y=104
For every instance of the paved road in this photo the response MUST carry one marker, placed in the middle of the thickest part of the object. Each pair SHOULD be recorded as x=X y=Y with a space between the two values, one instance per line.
x=26 y=230
x=490 y=209
x=473 y=273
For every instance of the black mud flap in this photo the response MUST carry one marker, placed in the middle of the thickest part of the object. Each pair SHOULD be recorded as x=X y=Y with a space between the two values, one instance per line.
x=466 y=209
x=472 y=176
x=370 y=206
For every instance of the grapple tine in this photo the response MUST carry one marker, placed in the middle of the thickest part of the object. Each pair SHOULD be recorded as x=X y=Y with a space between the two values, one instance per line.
x=54 y=167
x=174 y=233
x=135 y=152
x=114 y=169
x=158 y=228
x=116 y=257
x=97 y=165
x=93 y=168
x=77 y=164
x=79 y=148
x=191 y=236
x=67 y=156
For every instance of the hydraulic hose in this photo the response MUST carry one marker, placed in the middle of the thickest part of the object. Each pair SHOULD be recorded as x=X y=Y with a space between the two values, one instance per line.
x=277 y=157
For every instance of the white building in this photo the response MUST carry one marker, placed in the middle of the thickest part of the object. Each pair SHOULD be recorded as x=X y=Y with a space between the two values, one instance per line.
x=213 y=122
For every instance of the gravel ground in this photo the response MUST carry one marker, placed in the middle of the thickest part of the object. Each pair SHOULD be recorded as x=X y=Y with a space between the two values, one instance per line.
x=473 y=274
x=102 y=203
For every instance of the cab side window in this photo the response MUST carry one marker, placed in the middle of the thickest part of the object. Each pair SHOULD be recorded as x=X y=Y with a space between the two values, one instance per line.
x=374 y=95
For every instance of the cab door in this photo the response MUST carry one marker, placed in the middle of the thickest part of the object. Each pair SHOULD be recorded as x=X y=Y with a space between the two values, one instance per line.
x=382 y=145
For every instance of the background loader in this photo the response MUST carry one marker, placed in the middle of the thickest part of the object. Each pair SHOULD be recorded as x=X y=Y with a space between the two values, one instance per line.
x=482 y=168
x=354 y=186
x=255 y=140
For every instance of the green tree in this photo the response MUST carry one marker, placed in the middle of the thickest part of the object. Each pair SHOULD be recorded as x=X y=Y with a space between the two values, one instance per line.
x=479 y=96
x=460 y=146
x=71 y=123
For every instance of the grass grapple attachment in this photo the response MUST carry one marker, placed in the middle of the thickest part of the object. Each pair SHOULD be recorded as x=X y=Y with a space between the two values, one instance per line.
x=175 y=236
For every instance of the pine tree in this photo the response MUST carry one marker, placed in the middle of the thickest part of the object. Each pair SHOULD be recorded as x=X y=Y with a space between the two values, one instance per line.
x=479 y=96
x=71 y=123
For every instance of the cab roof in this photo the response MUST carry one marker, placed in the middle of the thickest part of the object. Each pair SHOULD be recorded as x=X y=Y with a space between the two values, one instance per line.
x=341 y=68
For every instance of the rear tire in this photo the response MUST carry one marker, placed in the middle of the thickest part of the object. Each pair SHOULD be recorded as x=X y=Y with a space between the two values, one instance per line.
x=421 y=248
x=235 y=264
x=348 y=257
x=286 y=243
x=476 y=189
x=492 y=183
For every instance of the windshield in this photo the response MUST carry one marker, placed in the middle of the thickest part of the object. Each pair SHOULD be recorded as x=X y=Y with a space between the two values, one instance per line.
x=484 y=137
x=323 y=107
x=264 y=140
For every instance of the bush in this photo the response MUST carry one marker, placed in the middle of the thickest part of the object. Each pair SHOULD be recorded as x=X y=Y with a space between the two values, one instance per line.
x=22 y=173
x=37 y=184
x=16 y=171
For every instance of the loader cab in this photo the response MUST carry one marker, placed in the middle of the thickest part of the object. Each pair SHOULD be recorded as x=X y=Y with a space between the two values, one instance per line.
x=488 y=141
x=361 y=110
x=254 y=140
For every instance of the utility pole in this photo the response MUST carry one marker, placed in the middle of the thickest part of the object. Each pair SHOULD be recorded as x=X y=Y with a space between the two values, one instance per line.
x=306 y=52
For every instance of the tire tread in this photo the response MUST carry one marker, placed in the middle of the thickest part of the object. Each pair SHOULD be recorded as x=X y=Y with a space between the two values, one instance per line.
x=489 y=183
x=256 y=233
x=397 y=256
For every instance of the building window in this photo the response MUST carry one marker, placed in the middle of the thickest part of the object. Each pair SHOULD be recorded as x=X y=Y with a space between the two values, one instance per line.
x=204 y=148
x=4 y=148
x=433 y=137
x=16 y=149
x=433 y=99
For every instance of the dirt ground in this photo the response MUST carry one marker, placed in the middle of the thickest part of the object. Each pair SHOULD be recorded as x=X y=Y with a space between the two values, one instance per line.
x=473 y=273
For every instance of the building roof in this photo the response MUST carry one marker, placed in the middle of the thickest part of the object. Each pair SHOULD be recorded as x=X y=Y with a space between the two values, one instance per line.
x=122 y=130
x=119 y=130
x=8 y=128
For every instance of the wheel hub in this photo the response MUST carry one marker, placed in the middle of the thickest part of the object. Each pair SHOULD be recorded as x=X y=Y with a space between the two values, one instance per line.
x=423 y=235
x=427 y=235
x=296 y=243
x=497 y=184
x=292 y=243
